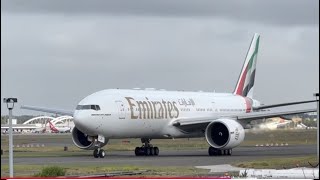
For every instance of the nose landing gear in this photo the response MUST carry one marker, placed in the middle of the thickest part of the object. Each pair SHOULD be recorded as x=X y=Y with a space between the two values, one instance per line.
x=147 y=149
x=99 y=153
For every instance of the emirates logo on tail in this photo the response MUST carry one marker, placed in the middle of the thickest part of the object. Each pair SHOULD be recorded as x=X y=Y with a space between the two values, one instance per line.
x=245 y=83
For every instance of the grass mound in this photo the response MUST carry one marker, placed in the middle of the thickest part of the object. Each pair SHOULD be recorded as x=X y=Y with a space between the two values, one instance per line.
x=51 y=171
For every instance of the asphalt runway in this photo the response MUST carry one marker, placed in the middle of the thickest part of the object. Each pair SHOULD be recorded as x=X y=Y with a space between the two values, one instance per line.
x=174 y=158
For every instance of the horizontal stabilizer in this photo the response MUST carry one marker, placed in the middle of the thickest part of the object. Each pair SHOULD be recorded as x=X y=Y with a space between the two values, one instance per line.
x=48 y=110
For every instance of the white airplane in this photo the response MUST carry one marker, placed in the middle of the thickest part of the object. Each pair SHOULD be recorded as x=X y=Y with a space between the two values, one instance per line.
x=56 y=129
x=274 y=125
x=39 y=130
x=157 y=114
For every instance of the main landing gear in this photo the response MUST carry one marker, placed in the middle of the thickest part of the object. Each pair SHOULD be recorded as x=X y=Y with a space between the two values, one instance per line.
x=99 y=153
x=147 y=149
x=219 y=152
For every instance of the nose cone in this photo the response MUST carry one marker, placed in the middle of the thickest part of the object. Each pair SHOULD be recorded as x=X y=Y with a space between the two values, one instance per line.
x=80 y=120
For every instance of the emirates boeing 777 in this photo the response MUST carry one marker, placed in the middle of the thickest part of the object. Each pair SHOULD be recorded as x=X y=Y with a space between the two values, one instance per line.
x=158 y=114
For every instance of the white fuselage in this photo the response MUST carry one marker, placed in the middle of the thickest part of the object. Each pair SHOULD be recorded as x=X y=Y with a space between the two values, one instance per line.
x=149 y=113
x=63 y=129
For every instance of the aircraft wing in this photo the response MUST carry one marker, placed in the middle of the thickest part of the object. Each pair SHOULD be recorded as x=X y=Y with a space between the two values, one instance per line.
x=269 y=114
x=193 y=121
x=49 y=110
x=282 y=104
x=241 y=118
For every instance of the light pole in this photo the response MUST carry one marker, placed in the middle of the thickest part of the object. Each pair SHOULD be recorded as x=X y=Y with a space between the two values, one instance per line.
x=317 y=97
x=10 y=104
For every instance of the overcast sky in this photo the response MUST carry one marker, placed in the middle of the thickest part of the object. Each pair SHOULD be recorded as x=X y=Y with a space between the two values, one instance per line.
x=56 y=52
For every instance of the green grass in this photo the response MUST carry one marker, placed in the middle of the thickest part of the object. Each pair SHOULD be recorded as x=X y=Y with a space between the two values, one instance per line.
x=292 y=137
x=169 y=171
x=279 y=163
x=51 y=171
x=33 y=154
x=84 y=169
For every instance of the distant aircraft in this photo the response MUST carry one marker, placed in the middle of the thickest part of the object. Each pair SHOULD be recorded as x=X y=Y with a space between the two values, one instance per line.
x=157 y=114
x=55 y=129
x=39 y=130
x=274 y=124
x=18 y=127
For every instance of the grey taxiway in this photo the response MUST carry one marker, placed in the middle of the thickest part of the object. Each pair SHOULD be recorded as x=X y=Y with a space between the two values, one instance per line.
x=173 y=158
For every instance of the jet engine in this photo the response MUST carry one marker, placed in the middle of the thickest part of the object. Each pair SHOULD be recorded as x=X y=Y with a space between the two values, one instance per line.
x=84 y=141
x=224 y=134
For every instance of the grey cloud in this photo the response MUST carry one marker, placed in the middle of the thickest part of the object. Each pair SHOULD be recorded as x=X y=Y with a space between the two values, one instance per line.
x=284 y=12
x=55 y=59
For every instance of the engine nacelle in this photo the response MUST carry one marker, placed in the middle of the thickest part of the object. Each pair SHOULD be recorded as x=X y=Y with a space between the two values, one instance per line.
x=84 y=141
x=224 y=134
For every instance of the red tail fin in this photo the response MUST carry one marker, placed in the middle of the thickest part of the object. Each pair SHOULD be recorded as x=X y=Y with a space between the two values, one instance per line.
x=245 y=84
x=52 y=127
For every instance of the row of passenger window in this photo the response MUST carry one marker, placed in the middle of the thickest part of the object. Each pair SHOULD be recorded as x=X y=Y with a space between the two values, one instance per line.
x=232 y=110
x=188 y=109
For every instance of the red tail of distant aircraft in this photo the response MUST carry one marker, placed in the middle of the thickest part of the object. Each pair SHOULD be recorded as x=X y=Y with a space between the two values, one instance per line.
x=59 y=129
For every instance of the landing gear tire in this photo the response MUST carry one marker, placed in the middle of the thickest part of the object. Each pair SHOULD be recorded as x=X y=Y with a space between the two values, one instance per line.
x=156 y=151
x=217 y=152
x=137 y=151
x=151 y=151
x=96 y=153
x=102 y=153
x=147 y=149
x=212 y=151
x=140 y=151
x=99 y=153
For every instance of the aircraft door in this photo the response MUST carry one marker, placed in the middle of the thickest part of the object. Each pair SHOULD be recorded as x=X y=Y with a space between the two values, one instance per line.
x=121 y=110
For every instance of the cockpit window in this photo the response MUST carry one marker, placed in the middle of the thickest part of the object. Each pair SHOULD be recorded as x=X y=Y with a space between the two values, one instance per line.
x=83 y=107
